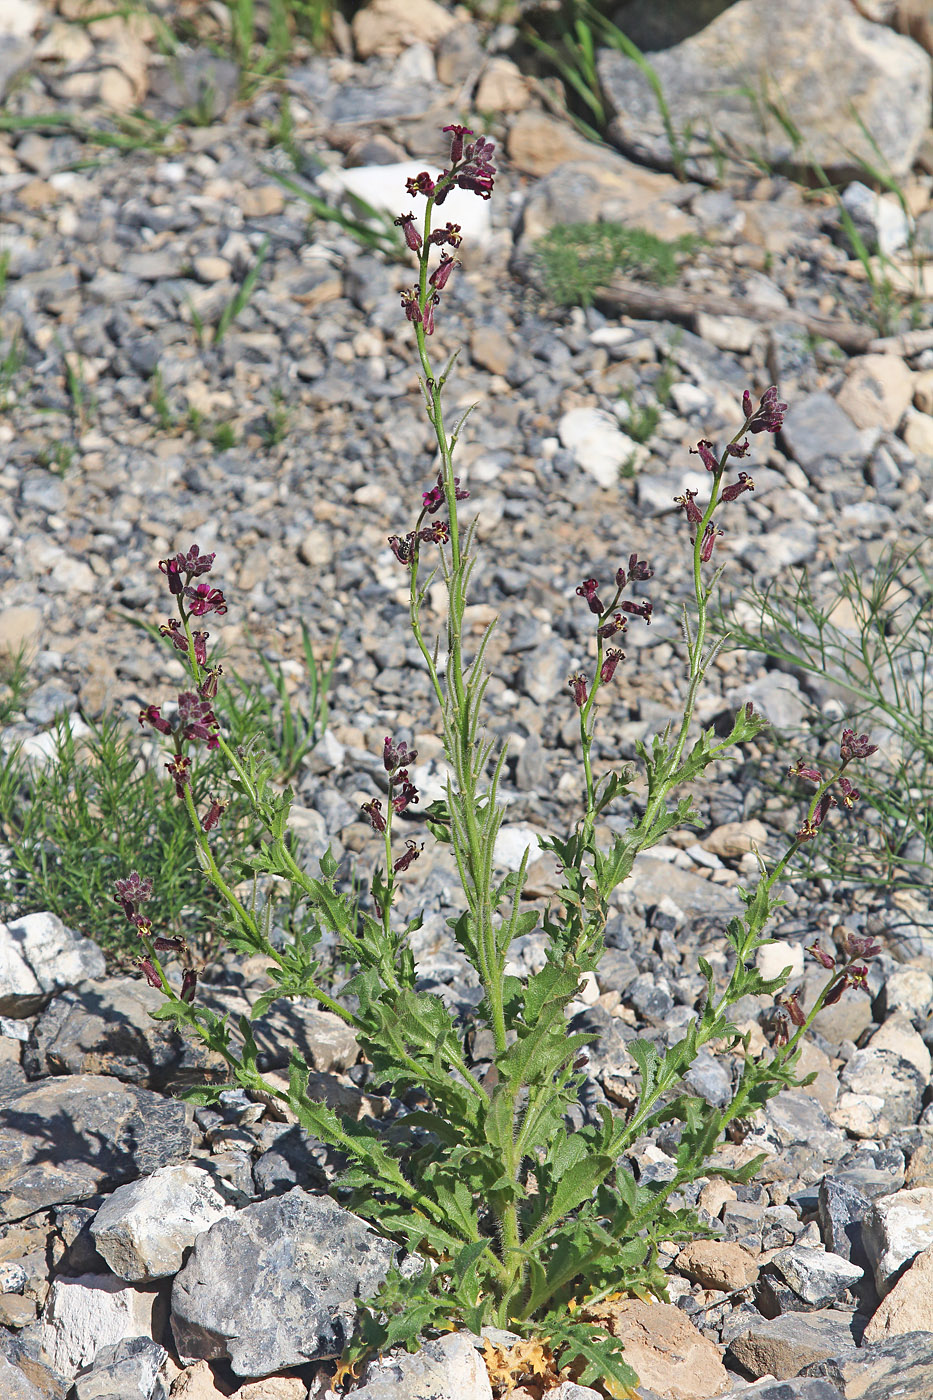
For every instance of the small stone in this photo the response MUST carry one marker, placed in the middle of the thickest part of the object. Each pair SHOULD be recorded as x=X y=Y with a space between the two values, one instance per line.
x=877 y=391
x=817 y=1277
x=907 y=989
x=212 y=269
x=598 y=444
x=734 y=839
x=886 y=1074
x=841 y=1212
x=898 y=1036
x=917 y=432
x=717 y=1264
x=896 y=1230
x=146 y=1228
x=261 y=201
x=389 y=26
x=666 y=1349
x=502 y=87
x=450 y=1368
x=85 y=1314
x=783 y=1346
x=128 y=1370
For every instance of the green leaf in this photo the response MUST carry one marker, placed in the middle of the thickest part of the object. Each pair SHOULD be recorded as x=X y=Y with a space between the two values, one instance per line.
x=601 y=1355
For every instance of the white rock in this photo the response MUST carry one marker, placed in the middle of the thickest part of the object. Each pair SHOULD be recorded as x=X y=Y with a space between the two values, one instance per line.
x=877 y=391
x=909 y=1305
x=897 y=1034
x=18 y=18
x=389 y=26
x=882 y=212
x=38 y=956
x=917 y=432
x=899 y=1227
x=598 y=444
x=383 y=187
x=774 y=957
x=449 y=1369
x=511 y=844
x=86 y=1313
x=144 y=1229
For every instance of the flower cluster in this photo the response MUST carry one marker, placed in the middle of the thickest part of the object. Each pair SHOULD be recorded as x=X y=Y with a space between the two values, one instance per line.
x=851 y=746
x=768 y=417
x=611 y=623
x=471 y=169
x=396 y=759
x=849 y=970
x=129 y=893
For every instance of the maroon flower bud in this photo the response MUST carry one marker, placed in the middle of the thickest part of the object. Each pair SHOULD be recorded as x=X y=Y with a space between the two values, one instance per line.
x=710 y=535
x=781 y=1035
x=439 y=277
x=406 y=222
x=428 y=314
x=410 y=305
x=768 y=417
x=214 y=814
x=152 y=715
x=855 y=746
x=403 y=862
x=132 y=892
x=204 y=599
x=643 y=609
x=577 y=684
x=189 y=984
x=587 y=590
x=456 y=141
x=690 y=509
x=477 y=174
x=704 y=450
x=450 y=234
x=420 y=184
x=738 y=449
x=801 y=769
x=168 y=945
x=196 y=719
x=835 y=992
x=374 y=815
x=744 y=483
x=810 y=827
x=608 y=668
x=179 y=770
x=152 y=977
x=609 y=629
x=639 y=569
x=823 y=958
x=407 y=795
x=850 y=794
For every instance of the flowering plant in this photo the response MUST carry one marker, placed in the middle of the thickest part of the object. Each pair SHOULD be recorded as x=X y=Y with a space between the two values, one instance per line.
x=522 y=1220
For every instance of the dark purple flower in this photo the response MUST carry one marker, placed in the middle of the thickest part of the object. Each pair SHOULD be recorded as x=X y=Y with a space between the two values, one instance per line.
x=204 y=599
x=411 y=305
x=209 y=682
x=168 y=945
x=179 y=770
x=132 y=892
x=420 y=184
x=439 y=277
x=855 y=947
x=374 y=815
x=175 y=634
x=413 y=852
x=609 y=629
x=152 y=715
x=403 y=549
x=738 y=449
x=192 y=565
x=449 y=234
x=608 y=668
x=710 y=535
x=152 y=977
x=744 y=483
x=794 y=1009
x=587 y=590
x=850 y=794
x=704 y=450
x=855 y=745
x=823 y=958
x=196 y=719
x=690 y=508
x=810 y=827
x=802 y=769
x=438 y=532
x=406 y=222
x=639 y=569
x=189 y=984
x=214 y=814
x=457 y=134
x=577 y=684
x=768 y=417
x=398 y=755
x=835 y=991
x=643 y=609
x=477 y=172
x=407 y=794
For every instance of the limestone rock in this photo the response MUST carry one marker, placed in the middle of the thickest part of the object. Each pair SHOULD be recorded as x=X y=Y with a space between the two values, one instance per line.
x=389 y=26
x=38 y=956
x=783 y=1346
x=449 y=1369
x=85 y=1314
x=877 y=391
x=274 y=1286
x=128 y=1370
x=719 y=1264
x=668 y=1351
x=145 y=1229
x=909 y=1305
x=898 y=1228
